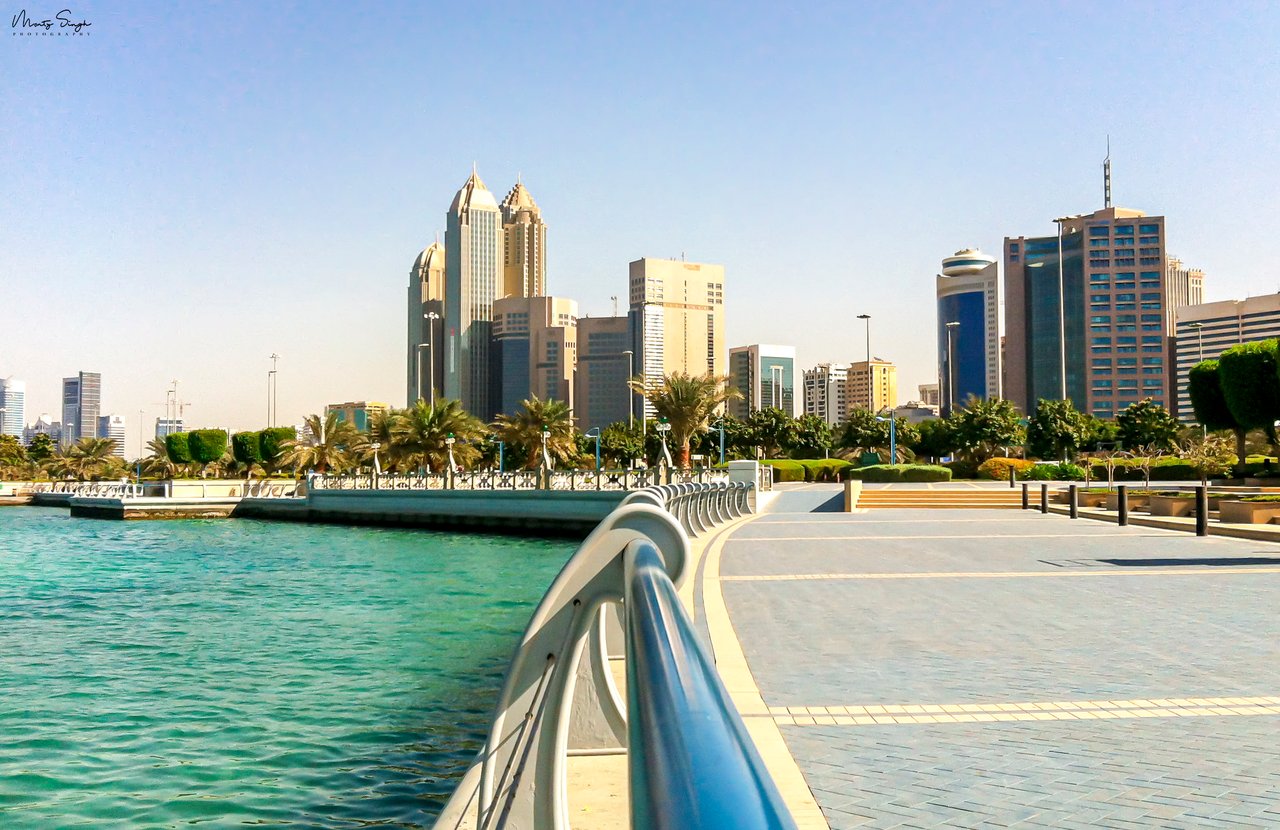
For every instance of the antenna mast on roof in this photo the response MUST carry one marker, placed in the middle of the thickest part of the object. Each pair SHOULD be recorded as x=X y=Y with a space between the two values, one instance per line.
x=615 y=305
x=1106 y=176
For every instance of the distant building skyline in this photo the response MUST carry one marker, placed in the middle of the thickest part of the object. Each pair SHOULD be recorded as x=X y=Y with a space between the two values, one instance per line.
x=113 y=427
x=968 y=327
x=13 y=407
x=764 y=376
x=826 y=392
x=1205 y=331
x=883 y=379
x=81 y=400
x=534 y=350
x=601 y=395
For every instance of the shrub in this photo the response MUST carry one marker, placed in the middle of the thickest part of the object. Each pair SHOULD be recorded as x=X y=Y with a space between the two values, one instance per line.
x=1041 y=472
x=178 y=448
x=271 y=443
x=784 y=470
x=962 y=468
x=1070 y=472
x=887 y=473
x=823 y=469
x=998 y=468
x=207 y=445
x=247 y=447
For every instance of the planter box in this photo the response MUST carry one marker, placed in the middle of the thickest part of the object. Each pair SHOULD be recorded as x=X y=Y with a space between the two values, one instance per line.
x=1092 y=499
x=1248 y=512
x=1135 y=502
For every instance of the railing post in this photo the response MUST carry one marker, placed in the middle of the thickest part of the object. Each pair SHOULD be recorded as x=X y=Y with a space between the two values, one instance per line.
x=1044 y=498
x=1202 y=510
x=1073 y=499
x=1013 y=478
x=1026 y=500
x=1122 y=495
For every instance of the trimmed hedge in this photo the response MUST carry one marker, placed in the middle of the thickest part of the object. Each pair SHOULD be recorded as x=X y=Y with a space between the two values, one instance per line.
x=271 y=442
x=824 y=469
x=207 y=445
x=962 y=468
x=1204 y=385
x=1247 y=374
x=247 y=447
x=785 y=470
x=888 y=473
x=997 y=469
x=175 y=443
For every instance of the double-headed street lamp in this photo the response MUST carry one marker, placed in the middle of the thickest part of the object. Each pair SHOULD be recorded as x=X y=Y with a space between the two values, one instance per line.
x=663 y=427
x=720 y=423
x=631 y=395
x=449 y=442
x=594 y=432
x=951 y=367
x=546 y=456
x=893 y=438
x=870 y=396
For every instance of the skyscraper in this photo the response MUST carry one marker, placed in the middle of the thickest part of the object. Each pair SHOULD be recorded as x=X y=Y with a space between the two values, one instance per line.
x=883 y=391
x=1109 y=268
x=534 y=350
x=600 y=393
x=677 y=311
x=968 y=353
x=113 y=427
x=826 y=392
x=81 y=399
x=473 y=279
x=765 y=377
x=13 y=407
x=358 y=413
x=524 y=258
x=1206 y=330
x=1185 y=287
x=426 y=333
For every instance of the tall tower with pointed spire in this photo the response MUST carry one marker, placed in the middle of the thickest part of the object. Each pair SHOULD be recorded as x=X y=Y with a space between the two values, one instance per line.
x=524 y=262
x=426 y=324
x=473 y=280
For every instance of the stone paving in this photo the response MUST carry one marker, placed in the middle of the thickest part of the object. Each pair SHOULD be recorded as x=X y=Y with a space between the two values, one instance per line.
x=970 y=668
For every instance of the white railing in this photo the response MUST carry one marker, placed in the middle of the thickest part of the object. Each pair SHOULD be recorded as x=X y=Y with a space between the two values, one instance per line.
x=559 y=697
x=270 y=489
x=597 y=480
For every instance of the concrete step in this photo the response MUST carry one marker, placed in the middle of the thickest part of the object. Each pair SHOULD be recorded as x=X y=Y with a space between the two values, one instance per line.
x=942 y=499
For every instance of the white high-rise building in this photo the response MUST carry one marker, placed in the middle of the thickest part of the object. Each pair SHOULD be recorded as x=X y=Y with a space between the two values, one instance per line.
x=473 y=280
x=826 y=389
x=112 y=426
x=13 y=407
x=968 y=328
x=426 y=324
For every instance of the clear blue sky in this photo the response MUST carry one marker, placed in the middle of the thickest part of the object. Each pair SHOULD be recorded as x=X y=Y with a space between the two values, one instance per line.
x=187 y=190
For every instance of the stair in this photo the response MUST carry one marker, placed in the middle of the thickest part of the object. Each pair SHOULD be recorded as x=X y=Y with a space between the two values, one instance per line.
x=941 y=499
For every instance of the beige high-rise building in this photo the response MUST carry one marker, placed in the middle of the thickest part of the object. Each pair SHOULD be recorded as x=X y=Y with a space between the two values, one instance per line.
x=1184 y=286
x=473 y=280
x=524 y=235
x=425 y=364
x=678 y=309
x=600 y=393
x=535 y=350
x=883 y=378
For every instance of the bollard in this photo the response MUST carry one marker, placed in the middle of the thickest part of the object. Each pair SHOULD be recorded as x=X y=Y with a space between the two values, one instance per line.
x=1202 y=511
x=1025 y=500
x=1013 y=478
x=1073 y=499
x=1122 y=491
x=1044 y=498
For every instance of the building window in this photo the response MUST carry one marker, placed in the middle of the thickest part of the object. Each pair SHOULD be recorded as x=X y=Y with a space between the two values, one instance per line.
x=1150 y=339
x=1152 y=318
x=1099 y=277
x=1128 y=361
x=1124 y=230
x=1148 y=229
x=1151 y=361
x=1148 y=240
x=1151 y=327
x=1101 y=341
x=1126 y=340
x=1100 y=298
x=1153 y=348
x=1123 y=243
x=1013 y=247
x=1125 y=298
x=1098 y=230
x=1099 y=243
x=1101 y=319
x=1152 y=370
x=1127 y=318
x=1150 y=305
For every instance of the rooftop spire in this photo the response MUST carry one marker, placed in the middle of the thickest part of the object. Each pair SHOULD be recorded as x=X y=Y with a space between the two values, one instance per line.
x=1106 y=176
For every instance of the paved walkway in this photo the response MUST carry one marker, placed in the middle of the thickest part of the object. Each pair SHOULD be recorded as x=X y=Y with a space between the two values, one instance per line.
x=973 y=668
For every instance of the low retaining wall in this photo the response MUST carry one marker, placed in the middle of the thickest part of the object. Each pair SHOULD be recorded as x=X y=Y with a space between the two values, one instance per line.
x=99 y=507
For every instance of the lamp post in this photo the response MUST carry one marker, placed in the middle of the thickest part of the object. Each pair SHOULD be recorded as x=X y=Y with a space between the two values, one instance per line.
x=596 y=436
x=448 y=443
x=421 y=346
x=431 y=318
x=893 y=438
x=501 y=446
x=1062 y=306
x=631 y=397
x=867 y=317
x=720 y=424
x=1199 y=327
x=546 y=456
x=272 y=385
x=663 y=428
x=951 y=367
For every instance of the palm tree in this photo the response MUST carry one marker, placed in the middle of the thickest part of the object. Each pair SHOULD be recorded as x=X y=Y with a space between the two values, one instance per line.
x=524 y=429
x=420 y=435
x=92 y=458
x=687 y=402
x=328 y=448
x=381 y=432
x=159 y=463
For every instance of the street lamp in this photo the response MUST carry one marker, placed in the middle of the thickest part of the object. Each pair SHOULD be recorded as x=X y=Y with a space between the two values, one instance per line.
x=546 y=456
x=867 y=317
x=1062 y=305
x=449 y=442
x=951 y=367
x=501 y=446
x=1199 y=328
x=663 y=428
x=893 y=438
x=375 y=446
x=421 y=346
x=431 y=318
x=631 y=397
x=596 y=436
x=272 y=408
x=720 y=424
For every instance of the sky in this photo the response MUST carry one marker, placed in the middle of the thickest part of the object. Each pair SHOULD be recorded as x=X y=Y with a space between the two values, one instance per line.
x=186 y=190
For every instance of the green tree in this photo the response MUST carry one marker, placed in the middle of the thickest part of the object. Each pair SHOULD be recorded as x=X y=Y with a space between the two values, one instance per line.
x=986 y=427
x=158 y=464
x=246 y=448
x=11 y=451
x=621 y=444
x=1099 y=434
x=421 y=435
x=1147 y=424
x=525 y=426
x=41 y=447
x=1209 y=456
x=1247 y=375
x=271 y=445
x=207 y=446
x=935 y=438
x=688 y=402
x=178 y=447
x=1056 y=430
x=93 y=458
x=774 y=430
x=327 y=449
x=1204 y=385
x=812 y=439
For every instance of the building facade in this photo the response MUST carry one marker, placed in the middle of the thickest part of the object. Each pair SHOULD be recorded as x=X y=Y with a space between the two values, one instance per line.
x=968 y=327
x=13 y=407
x=168 y=426
x=359 y=413
x=44 y=425
x=677 y=309
x=1185 y=286
x=473 y=278
x=524 y=249
x=1110 y=329
x=873 y=385
x=426 y=328
x=534 y=350
x=765 y=377
x=601 y=395
x=1205 y=331
x=81 y=400
x=930 y=394
x=826 y=392
x=113 y=427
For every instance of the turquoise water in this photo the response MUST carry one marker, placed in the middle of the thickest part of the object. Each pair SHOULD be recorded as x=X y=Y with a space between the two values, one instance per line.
x=224 y=673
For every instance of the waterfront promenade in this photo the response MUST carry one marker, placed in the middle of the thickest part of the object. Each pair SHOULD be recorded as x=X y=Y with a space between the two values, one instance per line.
x=995 y=668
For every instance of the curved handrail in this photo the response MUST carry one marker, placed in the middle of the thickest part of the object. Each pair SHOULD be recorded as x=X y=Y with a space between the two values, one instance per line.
x=693 y=764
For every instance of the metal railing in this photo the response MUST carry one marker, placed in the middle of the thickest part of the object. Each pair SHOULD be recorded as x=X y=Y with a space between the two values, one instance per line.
x=593 y=480
x=691 y=760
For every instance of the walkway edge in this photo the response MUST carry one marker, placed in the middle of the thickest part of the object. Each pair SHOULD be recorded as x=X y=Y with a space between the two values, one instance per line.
x=731 y=663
